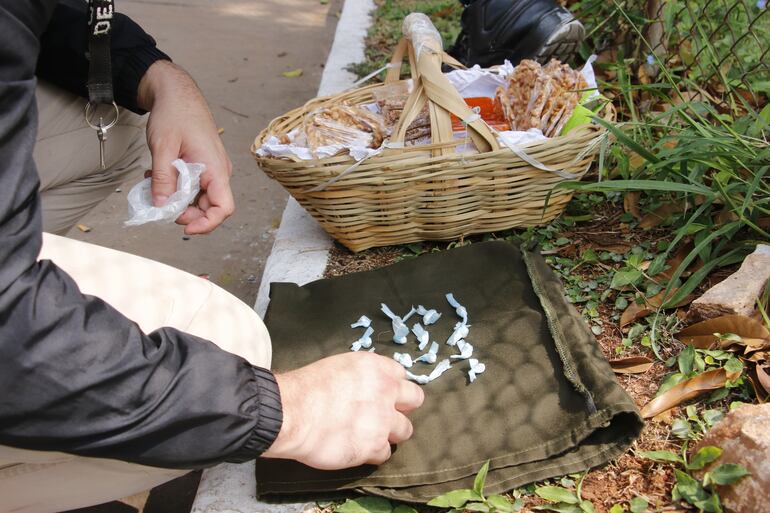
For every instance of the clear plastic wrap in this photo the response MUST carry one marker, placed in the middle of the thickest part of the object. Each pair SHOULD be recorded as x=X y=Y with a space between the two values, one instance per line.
x=346 y=125
x=420 y=31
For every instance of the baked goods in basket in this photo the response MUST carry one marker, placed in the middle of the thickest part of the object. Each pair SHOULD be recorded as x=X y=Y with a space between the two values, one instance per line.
x=349 y=125
x=540 y=97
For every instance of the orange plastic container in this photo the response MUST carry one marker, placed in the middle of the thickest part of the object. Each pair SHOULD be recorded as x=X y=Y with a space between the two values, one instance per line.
x=487 y=111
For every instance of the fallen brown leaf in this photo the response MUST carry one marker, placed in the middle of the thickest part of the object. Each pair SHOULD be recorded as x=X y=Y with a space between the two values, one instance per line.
x=701 y=335
x=693 y=387
x=676 y=260
x=763 y=377
x=631 y=203
x=725 y=216
x=666 y=417
x=631 y=365
x=635 y=311
x=758 y=390
x=660 y=214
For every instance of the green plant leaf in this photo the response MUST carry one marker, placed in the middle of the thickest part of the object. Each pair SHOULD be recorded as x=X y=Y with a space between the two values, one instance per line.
x=686 y=359
x=638 y=185
x=638 y=505
x=618 y=508
x=688 y=488
x=454 y=499
x=560 y=507
x=481 y=477
x=728 y=473
x=403 y=508
x=666 y=456
x=711 y=504
x=669 y=382
x=680 y=428
x=366 y=505
x=623 y=278
x=703 y=457
x=476 y=506
x=557 y=494
x=734 y=365
x=587 y=507
x=500 y=503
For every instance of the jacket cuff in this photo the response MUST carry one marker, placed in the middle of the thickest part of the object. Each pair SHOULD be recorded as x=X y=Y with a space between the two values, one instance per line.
x=270 y=416
x=131 y=73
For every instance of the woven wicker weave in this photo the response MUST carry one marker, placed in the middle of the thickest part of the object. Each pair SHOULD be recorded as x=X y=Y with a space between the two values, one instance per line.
x=429 y=192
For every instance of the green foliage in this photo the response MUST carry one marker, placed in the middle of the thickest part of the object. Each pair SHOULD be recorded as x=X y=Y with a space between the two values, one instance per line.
x=564 y=500
x=557 y=494
x=700 y=494
x=638 y=505
x=366 y=505
x=385 y=30
x=474 y=500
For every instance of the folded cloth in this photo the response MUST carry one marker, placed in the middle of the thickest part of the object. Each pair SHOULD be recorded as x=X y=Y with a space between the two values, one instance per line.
x=547 y=405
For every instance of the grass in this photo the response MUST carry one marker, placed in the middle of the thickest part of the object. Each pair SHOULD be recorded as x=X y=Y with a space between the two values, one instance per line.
x=676 y=201
x=385 y=31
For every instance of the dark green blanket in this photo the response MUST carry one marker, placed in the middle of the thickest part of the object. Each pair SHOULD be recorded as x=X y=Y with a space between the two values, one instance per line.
x=547 y=405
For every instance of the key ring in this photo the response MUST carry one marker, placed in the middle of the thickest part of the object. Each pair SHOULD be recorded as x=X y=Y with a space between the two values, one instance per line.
x=99 y=126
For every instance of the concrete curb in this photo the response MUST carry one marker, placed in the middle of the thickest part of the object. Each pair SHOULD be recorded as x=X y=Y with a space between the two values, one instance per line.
x=299 y=255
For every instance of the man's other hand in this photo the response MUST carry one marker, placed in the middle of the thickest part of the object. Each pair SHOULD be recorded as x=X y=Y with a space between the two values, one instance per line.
x=344 y=411
x=181 y=126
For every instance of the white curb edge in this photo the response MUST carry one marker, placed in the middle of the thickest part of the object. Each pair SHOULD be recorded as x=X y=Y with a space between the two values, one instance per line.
x=299 y=255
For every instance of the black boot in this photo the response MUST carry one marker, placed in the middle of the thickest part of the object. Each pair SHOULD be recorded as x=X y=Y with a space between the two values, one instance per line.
x=496 y=30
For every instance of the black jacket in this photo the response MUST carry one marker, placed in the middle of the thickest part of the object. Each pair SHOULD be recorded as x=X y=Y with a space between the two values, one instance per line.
x=75 y=375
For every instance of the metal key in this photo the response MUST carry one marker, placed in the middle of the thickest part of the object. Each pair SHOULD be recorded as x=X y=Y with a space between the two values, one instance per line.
x=101 y=134
x=101 y=129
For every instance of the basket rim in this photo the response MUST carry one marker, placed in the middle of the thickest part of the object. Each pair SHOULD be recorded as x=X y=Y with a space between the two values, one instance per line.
x=589 y=132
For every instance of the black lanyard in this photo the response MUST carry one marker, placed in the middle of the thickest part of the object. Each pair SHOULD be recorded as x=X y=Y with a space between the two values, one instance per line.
x=100 y=14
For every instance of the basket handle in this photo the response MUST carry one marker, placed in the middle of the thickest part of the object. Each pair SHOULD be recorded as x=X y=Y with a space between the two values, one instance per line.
x=426 y=55
x=397 y=61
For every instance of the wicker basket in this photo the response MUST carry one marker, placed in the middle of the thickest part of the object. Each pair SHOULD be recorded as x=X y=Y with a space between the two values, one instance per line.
x=429 y=192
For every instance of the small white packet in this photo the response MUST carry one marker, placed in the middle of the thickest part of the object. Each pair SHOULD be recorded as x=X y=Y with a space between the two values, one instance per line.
x=141 y=209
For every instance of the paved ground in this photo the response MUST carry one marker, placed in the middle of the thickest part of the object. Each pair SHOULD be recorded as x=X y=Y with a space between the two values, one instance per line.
x=236 y=50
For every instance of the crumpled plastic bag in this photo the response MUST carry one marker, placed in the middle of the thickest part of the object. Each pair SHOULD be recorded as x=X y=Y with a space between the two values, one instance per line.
x=141 y=209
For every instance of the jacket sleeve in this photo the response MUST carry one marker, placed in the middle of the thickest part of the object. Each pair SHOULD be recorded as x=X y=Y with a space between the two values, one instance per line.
x=75 y=375
x=63 y=56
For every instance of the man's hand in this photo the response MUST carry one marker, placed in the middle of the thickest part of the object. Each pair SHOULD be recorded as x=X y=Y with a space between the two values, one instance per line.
x=344 y=411
x=181 y=126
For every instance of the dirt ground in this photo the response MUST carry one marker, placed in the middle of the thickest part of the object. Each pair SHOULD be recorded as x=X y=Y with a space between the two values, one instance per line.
x=236 y=50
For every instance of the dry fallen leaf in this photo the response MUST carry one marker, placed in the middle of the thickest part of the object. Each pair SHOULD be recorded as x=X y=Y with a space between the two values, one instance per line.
x=635 y=311
x=754 y=381
x=631 y=365
x=693 y=387
x=676 y=260
x=293 y=73
x=666 y=417
x=660 y=214
x=701 y=335
x=631 y=203
x=763 y=377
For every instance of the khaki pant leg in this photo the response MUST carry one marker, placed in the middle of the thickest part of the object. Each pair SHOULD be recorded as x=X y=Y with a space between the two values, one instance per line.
x=67 y=156
x=153 y=295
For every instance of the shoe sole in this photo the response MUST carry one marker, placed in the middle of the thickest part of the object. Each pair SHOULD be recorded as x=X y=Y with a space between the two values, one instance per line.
x=563 y=43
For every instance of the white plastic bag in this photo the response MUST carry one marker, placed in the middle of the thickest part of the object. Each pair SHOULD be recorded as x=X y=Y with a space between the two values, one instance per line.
x=141 y=209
